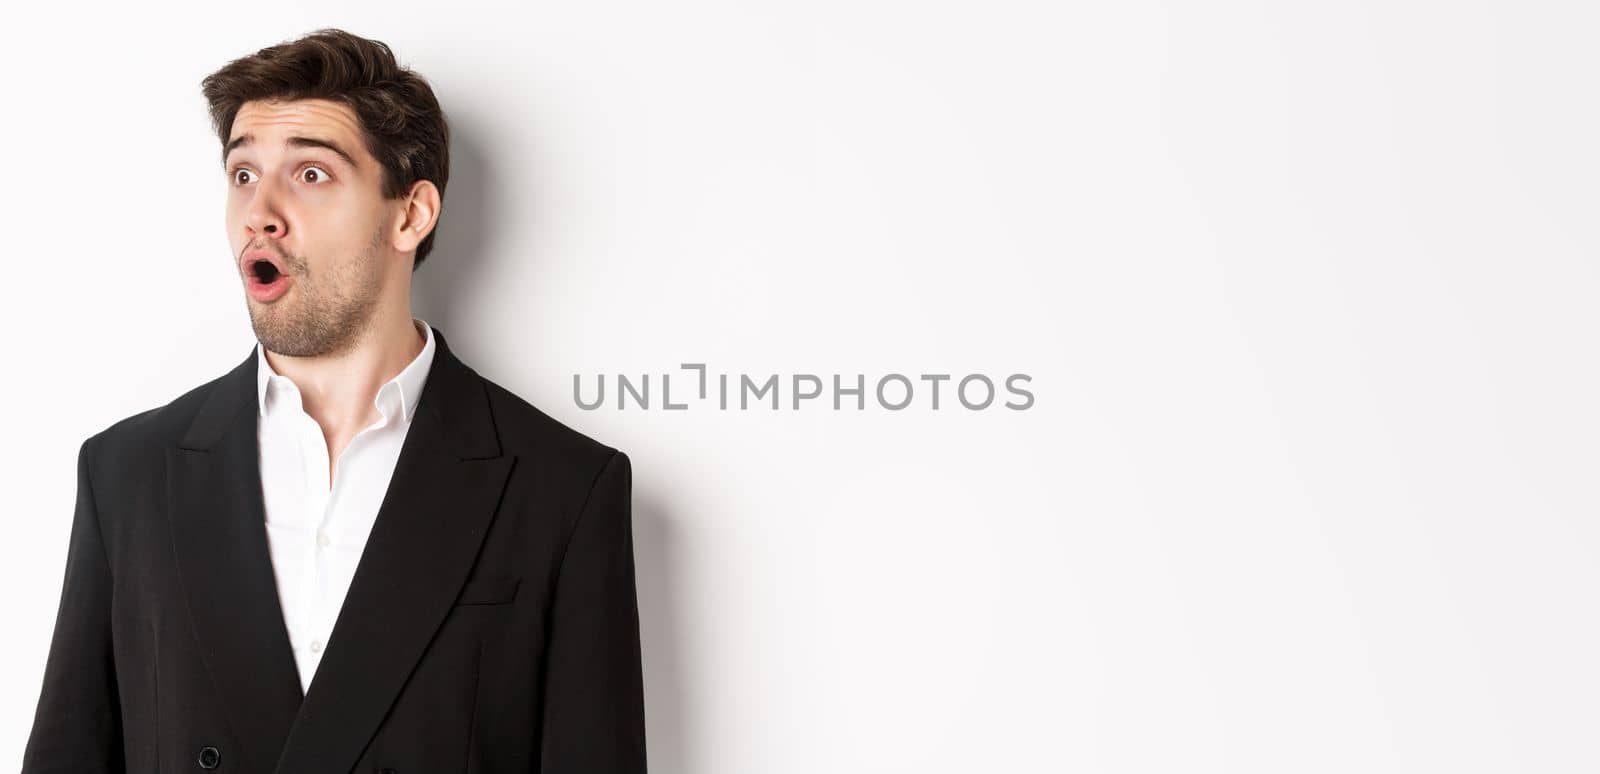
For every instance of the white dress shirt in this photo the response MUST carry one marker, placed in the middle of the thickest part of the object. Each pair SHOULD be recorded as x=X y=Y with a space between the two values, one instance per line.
x=316 y=529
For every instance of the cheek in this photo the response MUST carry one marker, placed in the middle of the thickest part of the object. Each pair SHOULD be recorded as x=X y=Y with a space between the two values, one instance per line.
x=234 y=210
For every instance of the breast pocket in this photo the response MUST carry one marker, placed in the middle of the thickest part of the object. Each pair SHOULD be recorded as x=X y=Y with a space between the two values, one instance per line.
x=488 y=591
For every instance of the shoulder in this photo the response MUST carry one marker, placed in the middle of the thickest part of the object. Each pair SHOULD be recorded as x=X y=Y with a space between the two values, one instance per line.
x=554 y=447
x=144 y=435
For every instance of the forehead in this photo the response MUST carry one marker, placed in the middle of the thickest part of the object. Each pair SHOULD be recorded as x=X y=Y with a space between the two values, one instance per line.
x=266 y=121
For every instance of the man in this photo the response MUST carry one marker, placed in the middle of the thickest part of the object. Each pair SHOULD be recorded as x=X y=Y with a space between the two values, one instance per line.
x=350 y=552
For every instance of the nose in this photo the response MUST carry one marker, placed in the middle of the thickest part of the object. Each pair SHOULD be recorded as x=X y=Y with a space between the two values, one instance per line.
x=264 y=217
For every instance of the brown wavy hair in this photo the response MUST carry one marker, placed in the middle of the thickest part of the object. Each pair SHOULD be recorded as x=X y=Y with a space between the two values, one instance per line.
x=403 y=125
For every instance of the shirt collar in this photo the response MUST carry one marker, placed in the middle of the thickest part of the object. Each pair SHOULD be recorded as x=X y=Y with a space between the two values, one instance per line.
x=408 y=383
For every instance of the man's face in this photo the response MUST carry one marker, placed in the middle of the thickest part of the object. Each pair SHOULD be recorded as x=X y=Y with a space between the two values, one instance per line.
x=304 y=194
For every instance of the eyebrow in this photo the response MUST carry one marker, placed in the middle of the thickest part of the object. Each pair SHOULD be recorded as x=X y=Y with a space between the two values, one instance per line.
x=294 y=142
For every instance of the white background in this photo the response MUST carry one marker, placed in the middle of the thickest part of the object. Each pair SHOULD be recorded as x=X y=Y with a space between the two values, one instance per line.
x=1307 y=292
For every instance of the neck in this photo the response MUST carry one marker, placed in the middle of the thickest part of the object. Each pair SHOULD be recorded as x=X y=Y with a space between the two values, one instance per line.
x=337 y=390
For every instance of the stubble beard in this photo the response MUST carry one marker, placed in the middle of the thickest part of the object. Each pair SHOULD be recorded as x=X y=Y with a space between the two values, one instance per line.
x=318 y=319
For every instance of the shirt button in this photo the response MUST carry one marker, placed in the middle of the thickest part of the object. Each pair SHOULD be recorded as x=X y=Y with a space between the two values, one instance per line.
x=316 y=646
x=322 y=538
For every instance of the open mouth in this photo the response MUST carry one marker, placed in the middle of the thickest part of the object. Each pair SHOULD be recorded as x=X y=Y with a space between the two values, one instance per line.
x=264 y=272
x=266 y=282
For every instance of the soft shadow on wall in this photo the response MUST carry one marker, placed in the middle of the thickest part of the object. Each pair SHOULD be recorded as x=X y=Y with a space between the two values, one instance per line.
x=457 y=269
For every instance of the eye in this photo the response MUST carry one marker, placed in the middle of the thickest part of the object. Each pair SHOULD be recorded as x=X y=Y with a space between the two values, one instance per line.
x=236 y=173
x=306 y=175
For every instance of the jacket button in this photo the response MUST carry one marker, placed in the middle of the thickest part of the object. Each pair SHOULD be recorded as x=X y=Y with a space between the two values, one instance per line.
x=209 y=757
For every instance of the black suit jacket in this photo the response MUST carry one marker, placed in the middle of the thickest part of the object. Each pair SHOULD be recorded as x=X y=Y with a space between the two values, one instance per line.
x=492 y=624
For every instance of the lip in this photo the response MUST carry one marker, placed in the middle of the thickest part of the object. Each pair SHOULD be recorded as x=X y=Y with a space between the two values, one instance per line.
x=251 y=256
x=258 y=290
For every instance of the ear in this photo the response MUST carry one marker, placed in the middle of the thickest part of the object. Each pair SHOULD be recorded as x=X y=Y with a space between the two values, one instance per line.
x=418 y=216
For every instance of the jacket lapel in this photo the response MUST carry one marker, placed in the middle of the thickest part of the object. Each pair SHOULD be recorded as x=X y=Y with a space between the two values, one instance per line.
x=441 y=499
x=219 y=536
